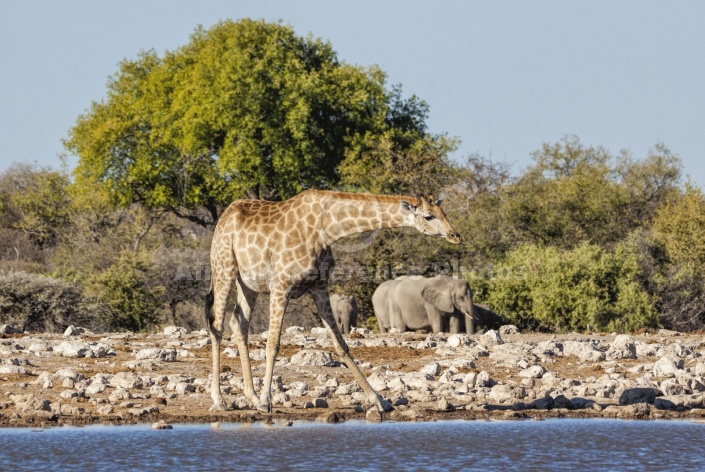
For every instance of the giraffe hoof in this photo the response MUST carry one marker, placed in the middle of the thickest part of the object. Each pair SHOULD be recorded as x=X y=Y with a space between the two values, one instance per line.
x=385 y=406
x=265 y=407
x=218 y=407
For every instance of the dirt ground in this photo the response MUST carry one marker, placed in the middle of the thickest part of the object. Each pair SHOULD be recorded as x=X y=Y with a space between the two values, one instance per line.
x=194 y=407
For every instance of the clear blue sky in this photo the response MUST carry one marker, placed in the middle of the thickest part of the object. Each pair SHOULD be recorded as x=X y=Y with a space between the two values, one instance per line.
x=502 y=76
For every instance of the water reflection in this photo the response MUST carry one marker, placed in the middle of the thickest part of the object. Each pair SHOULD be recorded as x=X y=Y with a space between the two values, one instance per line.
x=458 y=445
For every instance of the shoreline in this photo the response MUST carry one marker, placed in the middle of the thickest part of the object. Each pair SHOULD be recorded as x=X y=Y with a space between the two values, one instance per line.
x=82 y=378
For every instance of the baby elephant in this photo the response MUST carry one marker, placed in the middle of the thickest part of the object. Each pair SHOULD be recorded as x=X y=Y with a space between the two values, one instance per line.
x=345 y=311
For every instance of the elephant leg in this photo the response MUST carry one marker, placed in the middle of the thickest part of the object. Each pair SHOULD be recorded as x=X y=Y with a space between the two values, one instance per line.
x=396 y=319
x=455 y=323
x=435 y=318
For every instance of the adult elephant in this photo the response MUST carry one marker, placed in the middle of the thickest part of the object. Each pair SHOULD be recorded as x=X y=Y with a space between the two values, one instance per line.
x=345 y=311
x=440 y=303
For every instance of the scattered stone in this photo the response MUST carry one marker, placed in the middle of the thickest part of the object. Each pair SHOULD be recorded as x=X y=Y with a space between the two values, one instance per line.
x=373 y=415
x=73 y=349
x=175 y=331
x=668 y=332
x=162 y=355
x=434 y=368
x=585 y=351
x=161 y=424
x=533 y=372
x=9 y=329
x=126 y=380
x=508 y=329
x=456 y=340
x=312 y=357
x=330 y=417
x=637 y=410
x=320 y=403
x=444 y=405
x=105 y=410
x=74 y=331
x=493 y=337
x=231 y=352
x=667 y=366
x=632 y=396
x=623 y=347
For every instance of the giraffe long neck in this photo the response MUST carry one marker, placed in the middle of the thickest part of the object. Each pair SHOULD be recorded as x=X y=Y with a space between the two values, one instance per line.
x=346 y=214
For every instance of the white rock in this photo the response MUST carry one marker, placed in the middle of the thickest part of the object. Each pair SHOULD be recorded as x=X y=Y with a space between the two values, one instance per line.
x=507 y=393
x=493 y=337
x=39 y=346
x=585 y=351
x=667 y=366
x=456 y=340
x=434 y=368
x=126 y=380
x=163 y=355
x=175 y=331
x=73 y=349
x=319 y=331
x=13 y=369
x=230 y=352
x=294 y=330
x=313 y=357
x=508 y=329
x=73 y=331
x=533 y=372
x=623 y=347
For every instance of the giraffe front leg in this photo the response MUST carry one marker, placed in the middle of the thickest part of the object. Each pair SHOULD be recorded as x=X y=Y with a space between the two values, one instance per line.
x=278 y=300
x=320 y=296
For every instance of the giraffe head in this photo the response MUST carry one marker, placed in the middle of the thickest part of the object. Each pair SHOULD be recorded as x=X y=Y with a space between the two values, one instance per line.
x=428 y=217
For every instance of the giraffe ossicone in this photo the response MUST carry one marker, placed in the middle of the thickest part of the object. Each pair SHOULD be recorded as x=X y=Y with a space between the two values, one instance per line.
x=284 y=248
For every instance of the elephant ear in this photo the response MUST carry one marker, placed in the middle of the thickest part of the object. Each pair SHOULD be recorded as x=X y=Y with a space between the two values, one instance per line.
x=437 y=293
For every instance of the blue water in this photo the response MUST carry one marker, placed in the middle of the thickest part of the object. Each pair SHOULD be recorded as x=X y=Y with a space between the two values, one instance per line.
x=560 y=444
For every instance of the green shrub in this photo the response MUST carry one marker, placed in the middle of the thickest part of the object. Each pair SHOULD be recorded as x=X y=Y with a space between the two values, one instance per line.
x=124 y=288
x=554 y=289
x=33 y=302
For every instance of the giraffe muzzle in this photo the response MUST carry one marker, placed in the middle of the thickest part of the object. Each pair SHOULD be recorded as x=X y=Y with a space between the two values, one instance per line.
x=454 y=238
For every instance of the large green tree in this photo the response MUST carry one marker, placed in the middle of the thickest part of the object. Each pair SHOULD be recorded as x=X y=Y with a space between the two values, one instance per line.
x=245 y=108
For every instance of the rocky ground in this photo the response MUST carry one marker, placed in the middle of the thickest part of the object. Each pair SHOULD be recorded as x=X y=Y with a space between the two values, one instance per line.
x=82 y=378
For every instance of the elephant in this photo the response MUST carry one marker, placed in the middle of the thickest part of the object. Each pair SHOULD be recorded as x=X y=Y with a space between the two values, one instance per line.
x=345 y=311
x=441 y=303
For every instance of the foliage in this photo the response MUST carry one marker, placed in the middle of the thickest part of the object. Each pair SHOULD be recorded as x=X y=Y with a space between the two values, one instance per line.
x=238 y=111
x=680 y=225
x=35 y=201
x=123 y=288
x=549 y=288
x=575 y=193
x=34 y=302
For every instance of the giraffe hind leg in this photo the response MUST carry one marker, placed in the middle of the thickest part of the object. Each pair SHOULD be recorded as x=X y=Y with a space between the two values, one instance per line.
x=216 y=300
x=240 y=327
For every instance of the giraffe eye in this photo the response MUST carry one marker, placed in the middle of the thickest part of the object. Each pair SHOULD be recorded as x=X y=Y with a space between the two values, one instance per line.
x=429 y=217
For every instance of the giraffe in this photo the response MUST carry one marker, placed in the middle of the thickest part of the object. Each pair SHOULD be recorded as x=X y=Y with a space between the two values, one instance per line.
x=284 y=248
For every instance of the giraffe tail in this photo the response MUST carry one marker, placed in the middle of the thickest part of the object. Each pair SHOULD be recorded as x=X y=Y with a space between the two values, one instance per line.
x=209 y=299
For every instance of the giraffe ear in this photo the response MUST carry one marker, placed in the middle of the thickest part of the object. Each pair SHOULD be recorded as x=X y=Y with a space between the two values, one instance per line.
x=408 y=207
